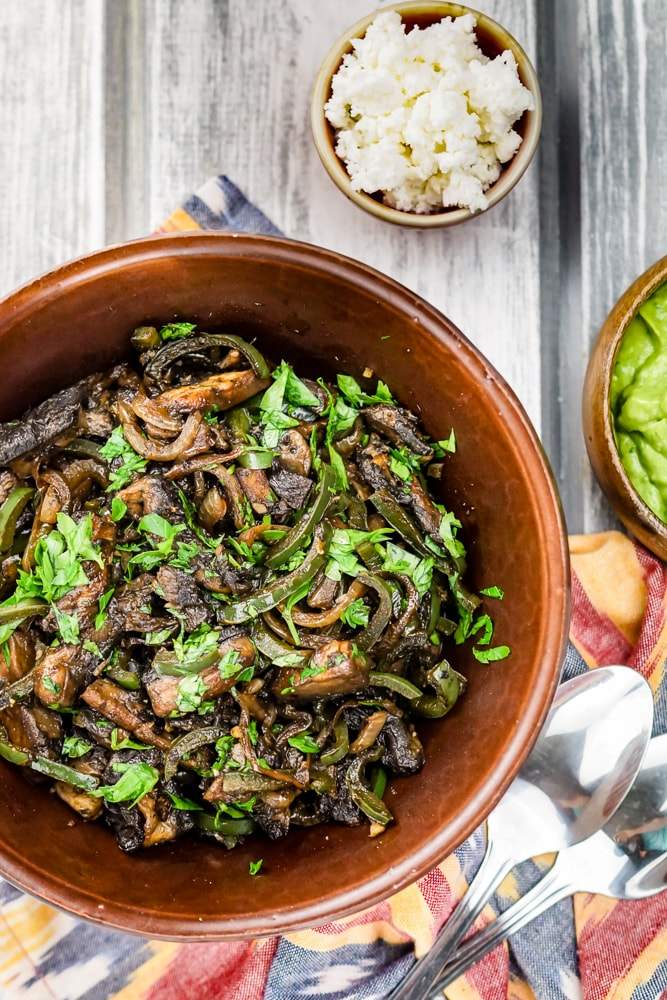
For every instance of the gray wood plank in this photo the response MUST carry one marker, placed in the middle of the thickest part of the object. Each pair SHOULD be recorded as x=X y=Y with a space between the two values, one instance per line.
x=623 y=124
x=226 y=88
x=51 y=122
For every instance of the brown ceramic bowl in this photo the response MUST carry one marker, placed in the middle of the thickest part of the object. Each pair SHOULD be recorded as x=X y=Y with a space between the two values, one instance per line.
x=598 y=429
x=492 y=39
x=324 y=312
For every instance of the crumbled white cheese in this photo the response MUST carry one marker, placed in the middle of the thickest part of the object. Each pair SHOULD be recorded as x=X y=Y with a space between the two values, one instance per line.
x=425 y=117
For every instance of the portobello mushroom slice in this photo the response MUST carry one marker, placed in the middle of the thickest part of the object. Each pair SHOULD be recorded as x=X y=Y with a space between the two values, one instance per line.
x=163 y=689
x=40 y=426
x=179 y=590
x=125 y=709
x=338 y=667
x=224 y=391
x=400 y=426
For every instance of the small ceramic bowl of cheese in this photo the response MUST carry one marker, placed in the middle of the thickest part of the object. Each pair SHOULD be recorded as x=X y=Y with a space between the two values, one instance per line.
x=426 y=114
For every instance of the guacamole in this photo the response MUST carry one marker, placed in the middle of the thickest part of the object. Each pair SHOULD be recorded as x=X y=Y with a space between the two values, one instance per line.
x=639 y=401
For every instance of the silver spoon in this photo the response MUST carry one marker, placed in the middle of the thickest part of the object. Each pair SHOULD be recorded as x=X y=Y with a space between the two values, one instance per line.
x=579 y=771
x=606 y=863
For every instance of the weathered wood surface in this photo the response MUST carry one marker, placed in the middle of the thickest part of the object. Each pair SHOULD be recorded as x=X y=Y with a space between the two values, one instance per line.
x=111 y=112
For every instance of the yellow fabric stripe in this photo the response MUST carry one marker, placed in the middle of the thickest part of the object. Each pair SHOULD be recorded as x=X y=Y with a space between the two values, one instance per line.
x=601 y=558
x=411 y=915
x=150 y=971
x=178 y=222
x=642 y=969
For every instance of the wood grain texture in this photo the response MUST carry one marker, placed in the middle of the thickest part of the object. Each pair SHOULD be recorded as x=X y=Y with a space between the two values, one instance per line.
x=226 y=88
x=623 y=125
x=52 y=127
x=113 y=111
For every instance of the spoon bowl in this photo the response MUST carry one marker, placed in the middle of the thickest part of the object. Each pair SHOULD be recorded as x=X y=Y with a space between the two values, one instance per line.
x=601 y=864
x=580 y=770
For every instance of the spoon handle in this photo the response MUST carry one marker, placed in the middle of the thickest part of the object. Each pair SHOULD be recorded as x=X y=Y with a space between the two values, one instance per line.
x=421 y=977
x=553 y=887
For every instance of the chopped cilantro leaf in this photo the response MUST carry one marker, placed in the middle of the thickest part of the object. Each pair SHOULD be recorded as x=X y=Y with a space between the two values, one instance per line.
x=304 y=742
x=75 y=746
x=175 y=331
x=492 y=654
x=254 y=867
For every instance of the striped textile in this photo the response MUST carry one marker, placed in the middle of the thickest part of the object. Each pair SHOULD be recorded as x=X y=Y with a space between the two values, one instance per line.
x=594 y=948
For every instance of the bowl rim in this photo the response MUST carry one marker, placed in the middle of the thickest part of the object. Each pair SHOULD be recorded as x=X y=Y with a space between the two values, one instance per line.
x=151 y=923
x=597 y=417
x=334 y=165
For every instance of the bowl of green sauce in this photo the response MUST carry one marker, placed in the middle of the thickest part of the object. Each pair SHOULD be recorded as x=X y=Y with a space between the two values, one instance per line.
x=625 y=408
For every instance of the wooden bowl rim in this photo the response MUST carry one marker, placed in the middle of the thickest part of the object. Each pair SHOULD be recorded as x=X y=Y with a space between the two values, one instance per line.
x=543 y=497
x=607 y=345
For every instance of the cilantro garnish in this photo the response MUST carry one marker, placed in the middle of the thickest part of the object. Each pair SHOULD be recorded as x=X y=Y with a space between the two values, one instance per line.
x=175 y=331
x=254 y=867
x=356 y=615
x=496 y=592
x=130 y=465
x=304 y=742
x=399 y=560
x=68 y=626
x=75 y=746
x=190 y=693
x=185 y=805
x=158 y=527
x=492 y=654
x=446 y=446
x=136 y=780
x=356 y=395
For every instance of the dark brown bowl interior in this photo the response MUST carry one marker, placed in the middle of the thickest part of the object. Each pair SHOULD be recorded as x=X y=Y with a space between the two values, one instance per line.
x=327 y=312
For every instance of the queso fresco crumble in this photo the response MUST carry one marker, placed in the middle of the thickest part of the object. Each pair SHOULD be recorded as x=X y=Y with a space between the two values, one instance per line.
x=425 y=117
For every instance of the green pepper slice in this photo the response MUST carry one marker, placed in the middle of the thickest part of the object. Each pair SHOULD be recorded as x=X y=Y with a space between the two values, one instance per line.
x=61 y=772
x=280 y=590
x=296 y=536
x=380 y=619
x=369 y=803
x=340 y=747
x=396 y=683
x=448 y=683
x=10 y=512
x=187 y=744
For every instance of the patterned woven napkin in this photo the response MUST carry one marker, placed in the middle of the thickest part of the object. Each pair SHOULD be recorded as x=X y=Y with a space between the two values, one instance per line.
x=592 y=947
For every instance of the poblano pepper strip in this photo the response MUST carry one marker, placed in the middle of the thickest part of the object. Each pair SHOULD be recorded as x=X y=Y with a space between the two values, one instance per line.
x=187 y=744
x=448 y=683
x=340 y=747
x=61 y=772
x=396 y=683
x=369 y=803
x=298 y=535
x=10 y=512
x=22 y=609
x=282 y=588
x=376 y=626
x=224 y=827
x=174 y=350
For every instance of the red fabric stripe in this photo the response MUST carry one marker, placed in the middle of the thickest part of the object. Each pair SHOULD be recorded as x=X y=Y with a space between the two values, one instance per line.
x=608 y=949
x=595 y=631
x=491 y=975
x=654 y=616
x=235 y=971
x=379 y=912
x=438 y=895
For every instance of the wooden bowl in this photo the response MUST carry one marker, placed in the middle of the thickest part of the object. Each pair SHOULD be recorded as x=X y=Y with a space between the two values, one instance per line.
x=325 y=313
x=597 y=418
x=492 y=39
